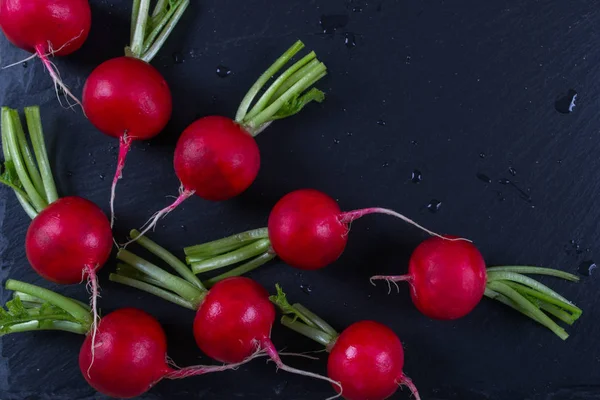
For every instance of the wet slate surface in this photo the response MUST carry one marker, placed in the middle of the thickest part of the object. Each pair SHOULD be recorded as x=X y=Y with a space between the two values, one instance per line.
x=454 y=90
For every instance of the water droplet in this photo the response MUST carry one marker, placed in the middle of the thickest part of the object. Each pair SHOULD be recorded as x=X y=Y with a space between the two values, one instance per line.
x=407 y=62
x=348 y=133
x=193 y=53
x=306 y=288
x=512 y=171
x=350 y=40
x=69 y=174
x=184 y=228
x=416 y=176
x=279 y=388
x=559 y=161
x=385 y=164
x=94 y=161
x=565 y=103
x=500 y=196
x=178 y=58
x=484 y=178
x=587 y=268
x=434 y=206
x=102 y=176
x=223 y=71
x=381 y=122
x=331 y=23
x=336 y=141
x=357 y=9
x=414 y=142
x=522 y=193
x=481 y=155
x=24 y=64
x=504 y=181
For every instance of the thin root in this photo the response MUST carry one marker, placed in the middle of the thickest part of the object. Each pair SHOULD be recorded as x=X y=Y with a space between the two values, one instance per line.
x=124 y=146
x=391 y=279
x=93 y=288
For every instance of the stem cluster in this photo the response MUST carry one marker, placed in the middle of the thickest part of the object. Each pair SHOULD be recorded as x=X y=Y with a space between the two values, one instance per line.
x=287 y=95
x=150 y=30
x=510 y=285
x=27 y=172
x=249 y=250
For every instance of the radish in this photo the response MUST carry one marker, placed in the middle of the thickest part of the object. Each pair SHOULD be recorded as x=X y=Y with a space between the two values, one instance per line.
x=449 y=278
x=47 y=28
x=126 y=97
x=130 y=354
x=233 y=320
x=307 y=229
x=366 y=358
x=216 y=157
x=69 y=239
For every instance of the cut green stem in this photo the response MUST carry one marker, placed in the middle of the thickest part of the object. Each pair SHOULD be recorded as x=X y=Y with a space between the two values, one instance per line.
x=166 y=295
x=36 y=133
x=242 y=269
x=312 y=333
x=220 y=246
x=527 y=281
x=527 y=291
x=239 y=255
x=536 y=271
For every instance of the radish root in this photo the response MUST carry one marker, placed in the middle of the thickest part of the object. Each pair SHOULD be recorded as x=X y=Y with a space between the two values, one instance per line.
x=391 y=279
x=348 y=217
x=406 y=381
x=195 y=370
x=93 y=288
x=124 y=147
x=268 y=346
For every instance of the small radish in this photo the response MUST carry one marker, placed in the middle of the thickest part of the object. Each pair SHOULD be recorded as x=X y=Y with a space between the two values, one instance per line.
x=233 y=320
x=126 y=97
x=47 y=28
x=366 y=358
x=216 y=157
x=449 y=278
x=307 y=229
x=130 y=353
x=69 y=239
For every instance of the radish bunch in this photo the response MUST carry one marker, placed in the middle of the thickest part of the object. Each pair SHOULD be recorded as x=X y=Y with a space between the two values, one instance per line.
x=233 y=319
x=449 y=278
x=69 y=239
x=216 y=157
x=366 y=358
x=130 y=352
x=306 y=229
x=126 y=97
x=47 y=28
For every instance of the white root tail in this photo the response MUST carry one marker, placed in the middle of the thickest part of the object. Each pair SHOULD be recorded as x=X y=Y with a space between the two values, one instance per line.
x=124 y=146
x=93 y=289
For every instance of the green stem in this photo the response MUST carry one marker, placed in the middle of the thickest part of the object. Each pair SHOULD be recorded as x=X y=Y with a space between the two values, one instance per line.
x=303 y=84
x=176 y=284
x=160 y=8
x=173 y=298
x=527 y=281
x=26 y=298
x=264 y=100
x=37 y=325
x=69 y=305
x=305 y=330
x=523 y=303
x=526 y=291
x=239 y=255
x=557 y=312
x=26 y=153
x=139 y=33
x=537 y=271
x=128 y=271
x=314 y=318
x=160 y=34
x=242 y=269
x=264 y=78
x=15 y=155
x=135 y=12
x=220 y=246
x=167 y=257
x=36 y=133
x=506 y=301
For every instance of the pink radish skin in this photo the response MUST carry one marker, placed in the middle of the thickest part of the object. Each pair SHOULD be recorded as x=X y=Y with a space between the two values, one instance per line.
x=308 y=230
x=367 y=359
x=447 y=278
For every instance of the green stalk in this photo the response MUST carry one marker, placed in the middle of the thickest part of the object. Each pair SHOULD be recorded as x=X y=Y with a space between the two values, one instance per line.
x=139 y=32
x=160 y=8
x=526 y=305
x=176 y=284
x=173 y=298
x=557 y=312
x=26 y=298
x=242 y=269
x=526 y=291
x=128 y=271
x=37 y=325
x=167 y=257
x=160 y=34
x=314 y=318
x=69 y=305
x=135 y=12
x=305 y=330
x=507 y=301
x=537 y=271
x=264 y=78
x=527 y=281
x=26 y=153
x=36 y=133
x=239 y=255
x=217 y=247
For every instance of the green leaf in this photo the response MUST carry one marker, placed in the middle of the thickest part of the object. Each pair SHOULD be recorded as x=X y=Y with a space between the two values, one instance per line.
x=9 y=175
x=280 y=300
x=15 y=313
x=297 y=103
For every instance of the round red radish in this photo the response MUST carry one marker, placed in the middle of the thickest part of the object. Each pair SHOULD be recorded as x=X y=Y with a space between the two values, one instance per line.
x=234 y=321
x=447 y=278
x=69 y=240
x=126 y=95
x=306 y=230
x=129 y=355
x=216 y=158
x=367 y=359
x=58 y=26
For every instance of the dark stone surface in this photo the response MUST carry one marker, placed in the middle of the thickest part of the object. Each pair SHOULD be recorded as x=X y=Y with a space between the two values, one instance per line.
x=464 y=88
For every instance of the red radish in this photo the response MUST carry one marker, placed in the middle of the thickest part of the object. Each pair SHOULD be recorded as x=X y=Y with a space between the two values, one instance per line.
x=449 y=278
x=233 y=320
x=127 y=98
x=366 y=358
x=217 y=158
x=47 y=27
x=307 y=229
x=130 y=353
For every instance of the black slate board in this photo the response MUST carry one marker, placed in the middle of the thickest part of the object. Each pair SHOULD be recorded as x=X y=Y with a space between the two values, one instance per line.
x=464 y=88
